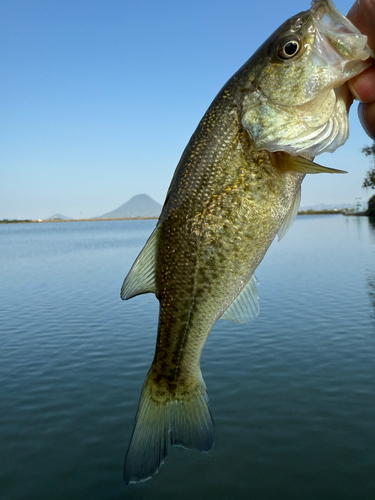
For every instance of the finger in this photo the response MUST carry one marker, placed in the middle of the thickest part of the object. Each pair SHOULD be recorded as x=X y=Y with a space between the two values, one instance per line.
x=362 y=86
x=366 y=113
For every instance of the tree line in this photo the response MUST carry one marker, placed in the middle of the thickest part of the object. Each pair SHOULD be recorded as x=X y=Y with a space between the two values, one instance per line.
x=370 y=177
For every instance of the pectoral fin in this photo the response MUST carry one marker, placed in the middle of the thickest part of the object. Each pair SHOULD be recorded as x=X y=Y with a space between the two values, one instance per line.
x=142 y=276
x=287 y=162
x=245 y=308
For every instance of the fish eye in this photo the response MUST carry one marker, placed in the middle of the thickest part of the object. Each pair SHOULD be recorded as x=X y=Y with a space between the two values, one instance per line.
x=289 y=47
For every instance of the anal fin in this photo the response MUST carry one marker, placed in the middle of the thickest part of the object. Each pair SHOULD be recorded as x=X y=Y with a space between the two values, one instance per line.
x=245 y=308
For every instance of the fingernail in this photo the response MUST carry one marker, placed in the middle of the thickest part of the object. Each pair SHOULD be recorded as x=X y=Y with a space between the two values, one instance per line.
x=353 y=90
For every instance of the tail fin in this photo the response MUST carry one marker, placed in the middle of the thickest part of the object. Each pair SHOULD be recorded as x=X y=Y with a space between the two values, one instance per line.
x=183 y=420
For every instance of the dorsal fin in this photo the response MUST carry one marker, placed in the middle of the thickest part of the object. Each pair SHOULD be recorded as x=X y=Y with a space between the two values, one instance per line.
x=142 y=275
x=290 y=216
x=245 y=308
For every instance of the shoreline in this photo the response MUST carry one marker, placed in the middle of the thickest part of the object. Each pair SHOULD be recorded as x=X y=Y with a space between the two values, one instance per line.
x=41 y=221
x=321 y=212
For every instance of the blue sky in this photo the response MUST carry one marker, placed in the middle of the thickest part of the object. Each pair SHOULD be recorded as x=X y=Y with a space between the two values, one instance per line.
x=99 y=98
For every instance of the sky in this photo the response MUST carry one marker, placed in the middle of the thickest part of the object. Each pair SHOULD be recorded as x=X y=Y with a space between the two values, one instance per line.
x=99 y=98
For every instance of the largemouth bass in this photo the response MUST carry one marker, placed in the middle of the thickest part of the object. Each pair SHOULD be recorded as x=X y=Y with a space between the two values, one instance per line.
x=236 y=187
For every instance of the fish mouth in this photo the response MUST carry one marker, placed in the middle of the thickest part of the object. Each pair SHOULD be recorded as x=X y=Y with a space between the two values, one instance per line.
x=342 y=43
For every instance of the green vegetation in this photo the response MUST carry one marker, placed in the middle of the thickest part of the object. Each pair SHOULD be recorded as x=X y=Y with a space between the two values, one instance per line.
x=370 y=177
x=371 y=206
x=13 y=221
x=319 y=212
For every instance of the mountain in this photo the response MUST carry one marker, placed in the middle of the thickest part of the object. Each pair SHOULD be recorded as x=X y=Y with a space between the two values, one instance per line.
x=140 y=205
x=322 y=206
x=58 y=217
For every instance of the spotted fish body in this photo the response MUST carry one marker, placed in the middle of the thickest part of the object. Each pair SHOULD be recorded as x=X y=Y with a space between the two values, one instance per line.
x=236 y=187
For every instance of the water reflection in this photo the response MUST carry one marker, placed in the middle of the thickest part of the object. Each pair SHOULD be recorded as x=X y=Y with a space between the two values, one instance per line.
x=371 y=292
x=371 y=222
x=371 y=278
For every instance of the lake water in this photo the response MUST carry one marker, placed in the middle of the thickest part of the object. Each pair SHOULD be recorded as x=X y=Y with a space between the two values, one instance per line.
x=292 y=394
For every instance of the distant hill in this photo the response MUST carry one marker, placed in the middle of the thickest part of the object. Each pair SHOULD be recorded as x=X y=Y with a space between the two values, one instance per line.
x=323 y=206
x=140 y=205
x=58 y=217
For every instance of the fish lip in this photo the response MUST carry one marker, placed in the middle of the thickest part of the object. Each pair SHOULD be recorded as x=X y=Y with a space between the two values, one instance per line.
x=347 y=41
x=321 y=7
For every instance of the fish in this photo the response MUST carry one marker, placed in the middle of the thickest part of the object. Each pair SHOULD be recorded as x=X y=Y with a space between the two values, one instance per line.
x=236 y=186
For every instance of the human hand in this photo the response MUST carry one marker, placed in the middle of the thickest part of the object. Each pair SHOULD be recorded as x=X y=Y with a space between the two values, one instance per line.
x=362 y=86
